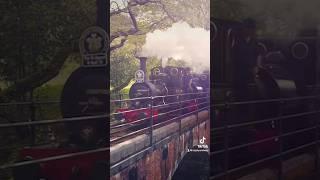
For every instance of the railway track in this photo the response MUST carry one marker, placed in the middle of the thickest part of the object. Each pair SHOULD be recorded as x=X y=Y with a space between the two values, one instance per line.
x=120 y=132
x=125 y=131
x=139 y=120
x=118 y=129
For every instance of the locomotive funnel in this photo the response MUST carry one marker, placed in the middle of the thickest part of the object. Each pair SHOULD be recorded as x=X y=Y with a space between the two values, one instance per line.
x=143 y=65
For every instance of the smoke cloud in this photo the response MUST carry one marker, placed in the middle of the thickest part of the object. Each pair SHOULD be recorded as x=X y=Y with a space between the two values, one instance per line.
x=286 y=17
x=180 y=42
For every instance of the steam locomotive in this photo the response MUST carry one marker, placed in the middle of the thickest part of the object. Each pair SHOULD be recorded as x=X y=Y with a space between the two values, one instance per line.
x=83 y=104
x=83 y=154
x=167 y=88
x=263 y=69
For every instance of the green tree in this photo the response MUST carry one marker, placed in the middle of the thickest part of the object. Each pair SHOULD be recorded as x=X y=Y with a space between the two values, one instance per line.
x=131 y=20
x=36 y=39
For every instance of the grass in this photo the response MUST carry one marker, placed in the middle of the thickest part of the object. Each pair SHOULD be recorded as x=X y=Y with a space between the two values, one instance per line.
x=53 y=88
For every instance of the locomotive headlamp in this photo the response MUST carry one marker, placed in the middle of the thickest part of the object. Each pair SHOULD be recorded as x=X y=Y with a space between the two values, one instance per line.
x=300 y=50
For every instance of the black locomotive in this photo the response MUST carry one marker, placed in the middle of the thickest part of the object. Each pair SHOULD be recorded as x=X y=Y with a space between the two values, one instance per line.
x=247 y=69
x=84 y=109
x=167 y=88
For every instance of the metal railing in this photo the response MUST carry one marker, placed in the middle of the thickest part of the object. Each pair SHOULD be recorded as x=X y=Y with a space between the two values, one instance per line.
x=162 y=110
x=168 y=109
x=284 y=125
x=32 y=120
x=178 y=112
x=182 y=109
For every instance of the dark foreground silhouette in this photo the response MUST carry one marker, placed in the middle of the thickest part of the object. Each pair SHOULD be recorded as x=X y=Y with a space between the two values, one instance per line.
x=195 y=166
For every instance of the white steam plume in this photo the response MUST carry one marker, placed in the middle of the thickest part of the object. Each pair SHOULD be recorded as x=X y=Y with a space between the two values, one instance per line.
x=287 y=17
x=181 y=42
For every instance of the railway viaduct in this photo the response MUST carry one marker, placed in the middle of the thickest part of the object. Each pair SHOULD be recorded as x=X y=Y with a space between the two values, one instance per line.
x=157 y=154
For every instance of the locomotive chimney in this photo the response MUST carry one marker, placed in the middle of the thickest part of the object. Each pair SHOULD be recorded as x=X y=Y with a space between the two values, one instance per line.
x=143 y=65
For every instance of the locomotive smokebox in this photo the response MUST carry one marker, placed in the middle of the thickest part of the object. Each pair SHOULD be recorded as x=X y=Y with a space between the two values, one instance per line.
x=143 y=65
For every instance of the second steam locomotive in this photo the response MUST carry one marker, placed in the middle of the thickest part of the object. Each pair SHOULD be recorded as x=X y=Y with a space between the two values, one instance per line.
x=252 y=75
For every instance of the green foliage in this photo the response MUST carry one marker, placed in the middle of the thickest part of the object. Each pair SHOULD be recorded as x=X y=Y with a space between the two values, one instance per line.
x=34 y=32
x=71 y=64
x=36 y=35
x=194 y=12
x=126 y=89
x=123 y=64
x=149 y=17
x=119 y=23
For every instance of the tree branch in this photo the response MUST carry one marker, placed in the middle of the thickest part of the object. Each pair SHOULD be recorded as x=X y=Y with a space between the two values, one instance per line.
x=118 y=11
x=173 y=19
x=121 y=86
x=37 y=79
x=112 y=48
x=135 y=29
x=132 y=31
x=137 y=33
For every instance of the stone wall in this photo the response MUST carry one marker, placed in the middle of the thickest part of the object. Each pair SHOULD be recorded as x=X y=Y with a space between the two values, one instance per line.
x=135 y=159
